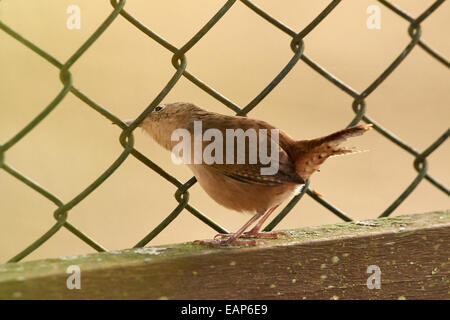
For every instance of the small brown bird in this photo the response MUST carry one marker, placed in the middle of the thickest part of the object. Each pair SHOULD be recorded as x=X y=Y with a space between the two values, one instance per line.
x=242 y=185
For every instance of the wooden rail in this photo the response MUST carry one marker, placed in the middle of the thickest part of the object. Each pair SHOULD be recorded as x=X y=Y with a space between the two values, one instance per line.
x=410 y=255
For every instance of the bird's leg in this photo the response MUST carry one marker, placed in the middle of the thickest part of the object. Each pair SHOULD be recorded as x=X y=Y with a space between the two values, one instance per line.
x=232 y=238
x=255 y=232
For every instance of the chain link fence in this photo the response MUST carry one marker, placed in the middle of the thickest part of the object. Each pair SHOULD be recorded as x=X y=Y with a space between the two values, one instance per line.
x=179 y=62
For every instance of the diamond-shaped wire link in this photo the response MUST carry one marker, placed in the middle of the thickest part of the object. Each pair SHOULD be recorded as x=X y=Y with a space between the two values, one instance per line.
x=179 y=62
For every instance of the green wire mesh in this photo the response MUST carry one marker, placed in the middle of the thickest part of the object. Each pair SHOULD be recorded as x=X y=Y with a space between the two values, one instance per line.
x=180 y=64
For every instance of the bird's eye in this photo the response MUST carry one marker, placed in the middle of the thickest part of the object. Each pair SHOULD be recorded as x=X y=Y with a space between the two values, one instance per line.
x=159 y=108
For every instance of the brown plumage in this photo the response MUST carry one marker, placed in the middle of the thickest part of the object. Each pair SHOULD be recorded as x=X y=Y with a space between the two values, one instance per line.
x=243 y=187
x=310 y=154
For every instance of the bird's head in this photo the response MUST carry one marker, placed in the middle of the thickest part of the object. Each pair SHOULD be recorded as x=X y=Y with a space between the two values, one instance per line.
x=165 y=118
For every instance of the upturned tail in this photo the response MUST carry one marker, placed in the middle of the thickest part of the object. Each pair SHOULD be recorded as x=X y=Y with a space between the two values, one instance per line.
x=310 y=154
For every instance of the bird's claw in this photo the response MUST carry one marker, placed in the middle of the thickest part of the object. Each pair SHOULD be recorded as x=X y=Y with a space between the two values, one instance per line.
x=222 y=235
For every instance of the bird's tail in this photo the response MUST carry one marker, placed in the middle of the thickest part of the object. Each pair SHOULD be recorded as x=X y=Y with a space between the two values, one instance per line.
x=310 y=154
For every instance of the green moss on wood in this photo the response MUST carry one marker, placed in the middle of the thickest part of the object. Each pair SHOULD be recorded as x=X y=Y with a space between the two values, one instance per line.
x=181 y=261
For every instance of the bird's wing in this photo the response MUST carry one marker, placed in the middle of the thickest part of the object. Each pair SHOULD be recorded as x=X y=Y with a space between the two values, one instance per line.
x=283 y=168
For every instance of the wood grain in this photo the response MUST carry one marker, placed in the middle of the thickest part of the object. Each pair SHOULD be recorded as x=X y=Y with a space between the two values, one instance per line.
x=326 y=262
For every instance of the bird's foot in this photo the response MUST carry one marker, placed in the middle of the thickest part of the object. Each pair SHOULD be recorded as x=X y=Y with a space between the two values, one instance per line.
x=228 y=241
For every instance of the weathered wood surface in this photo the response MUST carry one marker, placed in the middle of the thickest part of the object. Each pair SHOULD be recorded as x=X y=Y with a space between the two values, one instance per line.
x=326 y=262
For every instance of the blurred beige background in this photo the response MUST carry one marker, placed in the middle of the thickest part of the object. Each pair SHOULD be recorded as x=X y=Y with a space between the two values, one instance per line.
x=124 y=70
